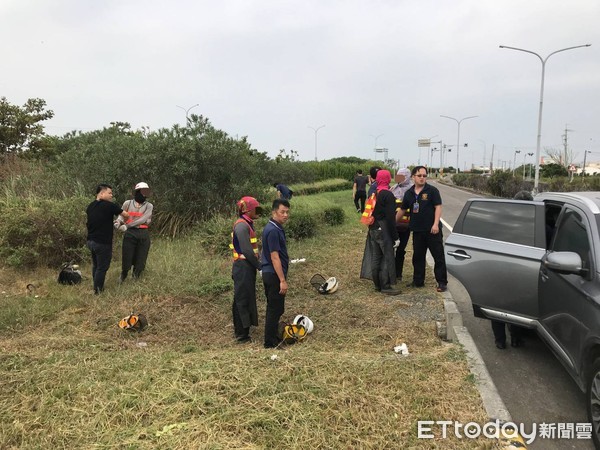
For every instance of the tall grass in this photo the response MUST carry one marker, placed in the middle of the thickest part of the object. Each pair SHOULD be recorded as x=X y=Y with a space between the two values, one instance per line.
x=72 y=378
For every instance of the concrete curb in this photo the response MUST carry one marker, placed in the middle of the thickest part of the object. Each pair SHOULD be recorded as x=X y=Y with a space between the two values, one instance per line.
x=457 y=333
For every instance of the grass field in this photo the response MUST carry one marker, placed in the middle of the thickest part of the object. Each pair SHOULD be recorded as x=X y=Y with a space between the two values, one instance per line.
x=70 y=378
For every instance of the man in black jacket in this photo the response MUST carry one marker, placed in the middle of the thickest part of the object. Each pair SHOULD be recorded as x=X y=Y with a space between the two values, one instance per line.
x=384 y=237
x=100 y=216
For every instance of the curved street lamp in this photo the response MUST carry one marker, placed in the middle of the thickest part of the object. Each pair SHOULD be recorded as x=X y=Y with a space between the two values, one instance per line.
x=187 y=111
x=316 y=130
x=539 y=132
x=458 y=135
x=515 y=161
x=376 y=137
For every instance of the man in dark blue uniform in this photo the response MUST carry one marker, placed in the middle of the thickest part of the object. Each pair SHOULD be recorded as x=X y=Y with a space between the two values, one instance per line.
x=275 y=261
x=425 y=205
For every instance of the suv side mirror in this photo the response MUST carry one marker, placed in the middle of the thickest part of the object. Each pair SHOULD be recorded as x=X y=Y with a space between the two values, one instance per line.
x=565 y=263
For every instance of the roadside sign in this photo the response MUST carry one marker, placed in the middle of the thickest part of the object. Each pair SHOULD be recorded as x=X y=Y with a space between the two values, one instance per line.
x=424 y=142
x=572 y=168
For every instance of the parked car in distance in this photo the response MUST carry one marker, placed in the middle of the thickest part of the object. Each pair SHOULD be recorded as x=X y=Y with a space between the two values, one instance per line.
x=537 y=264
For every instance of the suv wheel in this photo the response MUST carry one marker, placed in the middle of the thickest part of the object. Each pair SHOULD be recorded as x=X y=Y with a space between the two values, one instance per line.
x=593 y=401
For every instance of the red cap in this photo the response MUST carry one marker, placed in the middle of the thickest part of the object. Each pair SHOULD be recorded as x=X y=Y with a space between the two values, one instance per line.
x=248 y=204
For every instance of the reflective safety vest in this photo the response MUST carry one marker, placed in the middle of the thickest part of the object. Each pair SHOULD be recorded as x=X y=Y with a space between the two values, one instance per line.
x=235 y=245
x=367 y=216
x=405 y=218
x=133 y=215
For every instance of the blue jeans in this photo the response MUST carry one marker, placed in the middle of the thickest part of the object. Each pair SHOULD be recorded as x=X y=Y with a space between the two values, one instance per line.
x=101 y=256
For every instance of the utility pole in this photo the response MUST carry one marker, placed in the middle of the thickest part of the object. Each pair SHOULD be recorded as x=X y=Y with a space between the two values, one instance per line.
x=492 y=160
x=566 y=145
x=584 y=160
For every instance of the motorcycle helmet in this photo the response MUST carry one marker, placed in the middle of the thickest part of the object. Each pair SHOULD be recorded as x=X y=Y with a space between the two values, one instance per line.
x=305 y=322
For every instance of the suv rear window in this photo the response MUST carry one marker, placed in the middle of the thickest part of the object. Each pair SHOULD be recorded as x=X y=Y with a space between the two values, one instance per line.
x=508 y=222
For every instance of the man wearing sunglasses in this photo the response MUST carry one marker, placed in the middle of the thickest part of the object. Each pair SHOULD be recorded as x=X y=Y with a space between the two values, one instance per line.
x=425 y=205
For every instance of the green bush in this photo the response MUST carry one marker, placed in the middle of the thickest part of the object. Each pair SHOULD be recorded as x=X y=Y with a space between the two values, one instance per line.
x=301 y=226
x=334 y=216
x=41 y=232
x=336 y=184
x=503 y=184
x=214 y=234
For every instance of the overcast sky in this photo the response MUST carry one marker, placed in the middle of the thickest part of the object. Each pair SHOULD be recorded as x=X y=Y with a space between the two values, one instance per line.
x=271 y=69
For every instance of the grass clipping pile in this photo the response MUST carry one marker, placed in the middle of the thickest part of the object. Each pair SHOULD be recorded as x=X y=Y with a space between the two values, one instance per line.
x=76 y=380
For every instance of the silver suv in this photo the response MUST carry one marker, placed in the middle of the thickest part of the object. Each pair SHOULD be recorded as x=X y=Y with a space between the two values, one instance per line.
x=537 y=264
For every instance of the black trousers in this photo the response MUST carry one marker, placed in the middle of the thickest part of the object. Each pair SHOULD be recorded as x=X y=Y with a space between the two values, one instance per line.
x=101 y=256
x=423 y=240
x=403 y=235
x=275 y=308
x=383 y=264
x=136 y=246
x=499 y=329
x=362 y=197
x=244 y=310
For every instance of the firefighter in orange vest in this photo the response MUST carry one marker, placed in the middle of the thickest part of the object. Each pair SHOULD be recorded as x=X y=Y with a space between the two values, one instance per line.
x=136 y=242
x=244 y=244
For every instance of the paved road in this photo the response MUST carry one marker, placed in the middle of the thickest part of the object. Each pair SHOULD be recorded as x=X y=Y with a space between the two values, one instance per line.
x=532 y=382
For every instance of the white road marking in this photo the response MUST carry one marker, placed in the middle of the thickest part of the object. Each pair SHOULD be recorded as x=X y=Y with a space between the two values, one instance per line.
x=446 y=224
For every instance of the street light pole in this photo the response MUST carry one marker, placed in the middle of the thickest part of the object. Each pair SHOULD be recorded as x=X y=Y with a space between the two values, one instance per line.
x=458 y=135
x=316 y=130
x=515 y=161
x=187 y=119
x=376 y=137
x=539 y=132
x=584 y=160
x=529 y=177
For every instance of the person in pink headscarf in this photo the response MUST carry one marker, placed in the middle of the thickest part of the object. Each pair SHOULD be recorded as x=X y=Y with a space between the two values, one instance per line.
x=384 y=237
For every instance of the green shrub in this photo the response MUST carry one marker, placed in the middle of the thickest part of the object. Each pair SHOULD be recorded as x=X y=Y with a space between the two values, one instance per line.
x=301 y=226
x=214 y=234
x=43 y=231
x=336 y=184
x=334 y=216
x=503 y=184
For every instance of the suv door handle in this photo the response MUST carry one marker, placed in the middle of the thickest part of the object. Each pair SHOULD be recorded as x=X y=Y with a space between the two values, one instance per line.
x=459 y=254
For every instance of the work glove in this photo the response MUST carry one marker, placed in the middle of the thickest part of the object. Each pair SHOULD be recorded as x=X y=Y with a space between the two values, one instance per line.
x=116 y=224
x=123 y=228
x=396 y=244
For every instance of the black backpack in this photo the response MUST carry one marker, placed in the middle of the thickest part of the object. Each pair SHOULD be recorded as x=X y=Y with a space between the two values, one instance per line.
x=69 y=274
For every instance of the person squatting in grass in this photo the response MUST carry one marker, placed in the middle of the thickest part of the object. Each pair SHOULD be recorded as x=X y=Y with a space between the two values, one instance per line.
x=403 y=184
x=425 y=205
x=136 y=242
x=274 y=265
x=283 y=191
x=384 y=237
x=244 y=245
x=100 y=215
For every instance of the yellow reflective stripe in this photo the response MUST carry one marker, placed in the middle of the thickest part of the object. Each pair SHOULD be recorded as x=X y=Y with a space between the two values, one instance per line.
x=253 y=240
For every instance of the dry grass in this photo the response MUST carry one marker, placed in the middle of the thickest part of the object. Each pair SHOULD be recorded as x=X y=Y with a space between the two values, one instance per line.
x=70 y=378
